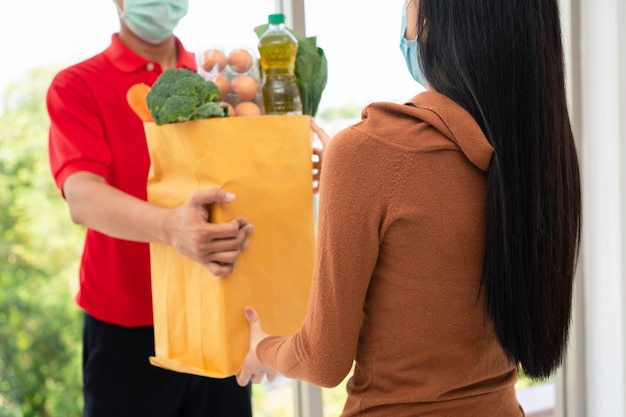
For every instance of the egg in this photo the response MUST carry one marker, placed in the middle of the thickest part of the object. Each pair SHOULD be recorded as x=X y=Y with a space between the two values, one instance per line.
x=244 y=86
x=214 y=58
x=240 y=60
x=222 y=84
x=247 y=108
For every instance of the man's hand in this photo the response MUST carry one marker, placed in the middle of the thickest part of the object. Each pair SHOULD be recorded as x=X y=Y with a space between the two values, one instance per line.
x=97 y=205
x=215 y=245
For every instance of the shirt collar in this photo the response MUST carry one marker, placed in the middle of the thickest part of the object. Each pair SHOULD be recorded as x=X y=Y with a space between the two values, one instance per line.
x=126 y=60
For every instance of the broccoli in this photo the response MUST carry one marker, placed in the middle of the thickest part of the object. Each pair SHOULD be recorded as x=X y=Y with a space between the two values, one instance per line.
x=179 y=95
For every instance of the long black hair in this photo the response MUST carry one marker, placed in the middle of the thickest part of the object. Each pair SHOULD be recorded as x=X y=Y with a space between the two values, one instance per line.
x=503 y=62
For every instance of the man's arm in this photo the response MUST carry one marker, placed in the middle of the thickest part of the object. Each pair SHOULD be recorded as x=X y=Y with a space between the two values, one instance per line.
x=97 y=205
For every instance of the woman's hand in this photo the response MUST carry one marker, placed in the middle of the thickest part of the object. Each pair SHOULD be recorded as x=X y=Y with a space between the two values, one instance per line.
x=318 y=155
x=252 y=368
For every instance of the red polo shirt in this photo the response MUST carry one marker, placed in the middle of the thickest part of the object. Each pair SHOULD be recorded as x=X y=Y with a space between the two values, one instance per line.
x=92 y=128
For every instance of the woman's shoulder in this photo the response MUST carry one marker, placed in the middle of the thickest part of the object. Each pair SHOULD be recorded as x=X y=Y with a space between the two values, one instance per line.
x=427 y=122
x=400 y=125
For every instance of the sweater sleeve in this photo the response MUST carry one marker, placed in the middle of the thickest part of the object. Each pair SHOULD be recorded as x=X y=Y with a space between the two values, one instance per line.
x=351 y=211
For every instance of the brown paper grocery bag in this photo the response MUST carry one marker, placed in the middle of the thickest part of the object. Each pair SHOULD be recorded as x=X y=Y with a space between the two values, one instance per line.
x=266 y=161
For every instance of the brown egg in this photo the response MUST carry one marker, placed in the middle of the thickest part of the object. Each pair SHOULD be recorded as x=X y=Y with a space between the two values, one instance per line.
x=247 y=108
x=214 y=59
x=244 y=86
x=222 y=84
x=240 y=60
x=231 y=109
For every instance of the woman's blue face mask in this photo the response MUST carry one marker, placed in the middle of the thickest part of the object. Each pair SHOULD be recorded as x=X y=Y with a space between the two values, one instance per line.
x=411 y=52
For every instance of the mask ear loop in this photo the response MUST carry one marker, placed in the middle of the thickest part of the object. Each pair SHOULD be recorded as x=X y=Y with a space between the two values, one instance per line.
x=420 y=26
x=420 y=30
x=120 y=11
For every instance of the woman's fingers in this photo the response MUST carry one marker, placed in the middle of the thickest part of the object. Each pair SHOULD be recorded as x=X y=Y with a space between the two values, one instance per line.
x=252 y=316
x=321 y=133
x=243 y=377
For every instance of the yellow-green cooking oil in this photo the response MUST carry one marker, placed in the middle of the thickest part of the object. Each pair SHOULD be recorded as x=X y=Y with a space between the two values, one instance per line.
x=278 y=49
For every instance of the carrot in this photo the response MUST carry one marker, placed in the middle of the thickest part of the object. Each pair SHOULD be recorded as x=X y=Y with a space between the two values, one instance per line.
x=136 y=97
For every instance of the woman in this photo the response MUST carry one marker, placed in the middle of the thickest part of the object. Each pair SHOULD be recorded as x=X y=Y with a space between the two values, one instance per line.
x=449 y=226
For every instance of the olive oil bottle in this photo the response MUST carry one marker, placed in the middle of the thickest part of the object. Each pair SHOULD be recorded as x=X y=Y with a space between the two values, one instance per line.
x=278 y=48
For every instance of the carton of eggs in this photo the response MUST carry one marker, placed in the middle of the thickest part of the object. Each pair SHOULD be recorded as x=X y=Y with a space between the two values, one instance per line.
x=236 y=73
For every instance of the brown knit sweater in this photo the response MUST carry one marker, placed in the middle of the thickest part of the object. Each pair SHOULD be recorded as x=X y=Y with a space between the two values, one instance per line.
x=396 y=285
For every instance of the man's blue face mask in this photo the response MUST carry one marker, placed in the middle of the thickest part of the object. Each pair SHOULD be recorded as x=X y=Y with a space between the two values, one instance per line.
x=411 y=52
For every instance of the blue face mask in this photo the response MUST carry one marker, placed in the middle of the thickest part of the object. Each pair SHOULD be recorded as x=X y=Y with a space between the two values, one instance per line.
x=411 y=52
x=153 y=20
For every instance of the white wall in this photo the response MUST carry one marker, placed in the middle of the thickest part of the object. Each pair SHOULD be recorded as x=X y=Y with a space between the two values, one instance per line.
x=603 y=135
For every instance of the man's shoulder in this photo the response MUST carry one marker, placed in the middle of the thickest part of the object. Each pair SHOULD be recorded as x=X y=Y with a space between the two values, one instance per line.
x=87 y=65
x=85 y=69
x=92 y=65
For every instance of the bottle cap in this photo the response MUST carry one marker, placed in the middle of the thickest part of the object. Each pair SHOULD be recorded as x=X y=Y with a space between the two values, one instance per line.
x=276 y=19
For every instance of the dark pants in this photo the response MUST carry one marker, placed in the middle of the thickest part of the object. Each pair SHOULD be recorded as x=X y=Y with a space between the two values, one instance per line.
x=119 y=380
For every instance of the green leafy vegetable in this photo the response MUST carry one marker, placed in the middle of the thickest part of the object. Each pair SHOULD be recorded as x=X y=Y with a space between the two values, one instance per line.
x=311 y=70
x=311 y=74
x=179 y=95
